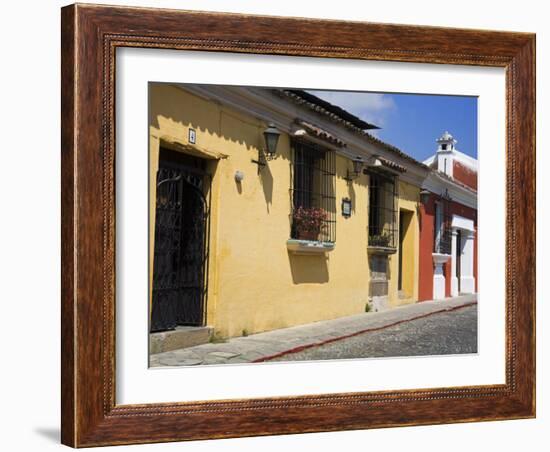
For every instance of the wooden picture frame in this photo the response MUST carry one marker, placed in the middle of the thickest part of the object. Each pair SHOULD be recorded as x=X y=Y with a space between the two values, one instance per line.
x=90 y=36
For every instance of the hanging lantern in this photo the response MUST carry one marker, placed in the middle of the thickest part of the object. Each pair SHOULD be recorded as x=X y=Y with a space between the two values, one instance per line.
x=358 y=163
x=271 y=136
x=424 y=196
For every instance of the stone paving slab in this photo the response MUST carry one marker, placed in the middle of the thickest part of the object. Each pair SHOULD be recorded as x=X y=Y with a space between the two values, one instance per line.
x=263 y=346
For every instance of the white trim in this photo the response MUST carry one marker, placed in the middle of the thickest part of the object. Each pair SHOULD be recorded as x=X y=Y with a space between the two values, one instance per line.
x=467 y=280
x=309 y=246
x=457 y=156
x=439 y=276
x=429 y=160
x=463 y=223
x=454 y=279
x=445 y=162
x=438 y=184
x=465 y=159
x=440 y=259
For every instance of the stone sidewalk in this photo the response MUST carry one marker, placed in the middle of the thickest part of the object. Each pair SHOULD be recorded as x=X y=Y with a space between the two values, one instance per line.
x=274 y=344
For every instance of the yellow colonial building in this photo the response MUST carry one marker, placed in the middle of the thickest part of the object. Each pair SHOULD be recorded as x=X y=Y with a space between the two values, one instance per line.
x=271 y=208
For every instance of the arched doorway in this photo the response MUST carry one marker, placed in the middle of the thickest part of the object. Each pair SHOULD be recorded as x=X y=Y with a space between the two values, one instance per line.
x=181 y=242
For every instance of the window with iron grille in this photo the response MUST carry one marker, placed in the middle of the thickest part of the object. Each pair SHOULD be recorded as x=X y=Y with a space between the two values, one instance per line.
x=442 y=225
x=313 y=215
x=382 y=210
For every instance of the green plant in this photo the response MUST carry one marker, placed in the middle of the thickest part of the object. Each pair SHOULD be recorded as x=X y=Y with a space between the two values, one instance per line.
x=245 y=332
x=383 y=239
x=368 y=307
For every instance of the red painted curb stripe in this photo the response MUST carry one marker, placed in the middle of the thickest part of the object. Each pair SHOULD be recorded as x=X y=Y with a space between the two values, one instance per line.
x=367 y=330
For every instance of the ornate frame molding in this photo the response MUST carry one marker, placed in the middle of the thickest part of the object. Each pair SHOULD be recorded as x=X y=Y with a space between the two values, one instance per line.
x=90 y=37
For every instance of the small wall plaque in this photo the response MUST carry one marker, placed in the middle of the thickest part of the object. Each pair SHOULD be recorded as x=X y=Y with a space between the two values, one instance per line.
x=346 y=207
x=192 y=136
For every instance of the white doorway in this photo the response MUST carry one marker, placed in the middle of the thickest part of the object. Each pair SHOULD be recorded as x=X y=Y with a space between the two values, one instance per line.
x=462 y=257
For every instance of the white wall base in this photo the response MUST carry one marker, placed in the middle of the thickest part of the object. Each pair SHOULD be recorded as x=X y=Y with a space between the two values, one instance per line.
x=439 y=277
x=454 y=286
x=467 y=284
x=380 y=303
x=439 y=286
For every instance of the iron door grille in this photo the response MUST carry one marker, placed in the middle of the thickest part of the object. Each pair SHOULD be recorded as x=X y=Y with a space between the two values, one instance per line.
x=180 y=262
x=443 y=225
x=313 y=199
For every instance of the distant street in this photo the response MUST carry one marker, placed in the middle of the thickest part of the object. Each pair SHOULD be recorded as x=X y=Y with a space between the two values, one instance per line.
x=438 y=334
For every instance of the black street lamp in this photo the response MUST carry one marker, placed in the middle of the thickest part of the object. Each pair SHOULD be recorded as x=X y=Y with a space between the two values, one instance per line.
x=271 y=136
x=424 y=196
x=358 y=164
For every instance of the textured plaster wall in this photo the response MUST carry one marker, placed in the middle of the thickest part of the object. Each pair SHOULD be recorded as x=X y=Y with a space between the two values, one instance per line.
x=425 y=259
x=255 y=283
x=409 y=196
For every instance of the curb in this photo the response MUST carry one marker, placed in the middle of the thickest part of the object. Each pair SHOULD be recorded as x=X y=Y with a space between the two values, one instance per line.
x=366 y=330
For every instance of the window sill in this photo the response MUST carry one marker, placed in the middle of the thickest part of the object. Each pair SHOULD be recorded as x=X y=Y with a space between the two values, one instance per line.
x=309 y=246
x=440 y=258
x=381 y=250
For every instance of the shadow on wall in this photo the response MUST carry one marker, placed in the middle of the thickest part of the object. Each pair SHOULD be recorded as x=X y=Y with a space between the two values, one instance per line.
x=351 y=197
x=308 y=269
x=405 y=195
x=239 y=186
x=266 y=180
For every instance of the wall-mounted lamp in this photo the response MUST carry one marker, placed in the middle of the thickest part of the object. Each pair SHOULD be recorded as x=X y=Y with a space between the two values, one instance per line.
x=271 y=137
x=358 y=164
x=424 y=196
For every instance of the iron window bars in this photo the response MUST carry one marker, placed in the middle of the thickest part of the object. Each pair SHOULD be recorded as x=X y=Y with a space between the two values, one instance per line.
x=442 y=225
x=313 y=199
x=382 y=210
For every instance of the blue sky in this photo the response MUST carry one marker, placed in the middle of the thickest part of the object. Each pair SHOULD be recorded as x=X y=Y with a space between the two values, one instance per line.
x=413 y=122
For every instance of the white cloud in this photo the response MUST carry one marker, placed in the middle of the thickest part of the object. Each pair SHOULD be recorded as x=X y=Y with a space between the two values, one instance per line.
x=371 y=107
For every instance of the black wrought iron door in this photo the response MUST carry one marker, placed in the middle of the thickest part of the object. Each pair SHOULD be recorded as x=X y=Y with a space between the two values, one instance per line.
x=181 y=254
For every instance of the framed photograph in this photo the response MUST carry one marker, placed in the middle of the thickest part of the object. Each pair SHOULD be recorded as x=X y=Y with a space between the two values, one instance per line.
x=212 y=286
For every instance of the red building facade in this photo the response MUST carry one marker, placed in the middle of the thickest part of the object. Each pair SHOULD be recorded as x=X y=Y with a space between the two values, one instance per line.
x=448 y=224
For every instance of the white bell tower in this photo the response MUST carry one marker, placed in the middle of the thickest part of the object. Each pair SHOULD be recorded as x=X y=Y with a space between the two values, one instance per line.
x=445 y=153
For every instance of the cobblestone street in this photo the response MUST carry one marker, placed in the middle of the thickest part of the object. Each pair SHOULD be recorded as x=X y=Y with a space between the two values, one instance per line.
x=438 y=334
x=427 y=328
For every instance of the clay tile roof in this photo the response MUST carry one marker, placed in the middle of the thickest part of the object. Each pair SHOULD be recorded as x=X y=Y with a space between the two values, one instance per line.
x=452 y=179
x=392 y=165
x=320 y=133
x=394 y=149
x=325 y=108
x=342 y=117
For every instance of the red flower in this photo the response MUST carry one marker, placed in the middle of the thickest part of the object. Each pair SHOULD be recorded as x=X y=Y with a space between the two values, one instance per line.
x=309 y=221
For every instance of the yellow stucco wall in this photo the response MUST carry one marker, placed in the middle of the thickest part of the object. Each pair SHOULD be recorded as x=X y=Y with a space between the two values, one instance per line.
x=409 y=197
x=255 y=283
